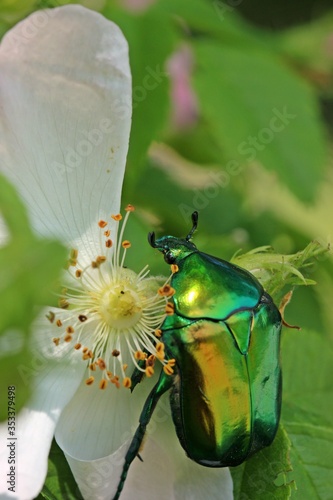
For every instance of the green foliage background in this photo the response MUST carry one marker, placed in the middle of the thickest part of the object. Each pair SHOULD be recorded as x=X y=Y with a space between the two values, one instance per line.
x=255 y=161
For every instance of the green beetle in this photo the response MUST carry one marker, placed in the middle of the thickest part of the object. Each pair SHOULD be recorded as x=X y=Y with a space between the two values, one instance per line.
x=224 y=336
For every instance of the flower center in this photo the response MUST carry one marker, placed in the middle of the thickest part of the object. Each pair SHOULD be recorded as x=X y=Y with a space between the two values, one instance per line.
x=112 y=314
x=120 y=307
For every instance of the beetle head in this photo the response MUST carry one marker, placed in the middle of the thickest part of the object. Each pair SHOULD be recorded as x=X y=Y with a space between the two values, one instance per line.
x=175 y=249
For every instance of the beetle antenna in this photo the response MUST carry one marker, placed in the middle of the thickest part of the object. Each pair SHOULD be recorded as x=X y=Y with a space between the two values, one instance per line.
x=195 y=217
x=151 y=239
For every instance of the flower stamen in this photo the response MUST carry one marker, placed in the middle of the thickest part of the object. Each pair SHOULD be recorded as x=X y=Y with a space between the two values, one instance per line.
x=114 y=313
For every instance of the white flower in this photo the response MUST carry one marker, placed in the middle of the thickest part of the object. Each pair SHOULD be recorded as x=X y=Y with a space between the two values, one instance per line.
x=65 y=110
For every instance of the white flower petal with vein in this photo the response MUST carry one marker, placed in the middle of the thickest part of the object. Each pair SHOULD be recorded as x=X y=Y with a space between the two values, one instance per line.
x=65 y=113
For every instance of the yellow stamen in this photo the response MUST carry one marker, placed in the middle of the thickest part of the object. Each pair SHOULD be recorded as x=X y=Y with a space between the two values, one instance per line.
x=117 y=217
x=103 y=383
x=101 y=364
x=139 y=355
x=166 y=291
x=50 y=316
x=73 y=254
x=168 y=370
x=169 y=309
x=63 y=303
x=127 y=382
x=130 y=208
x=149 y=371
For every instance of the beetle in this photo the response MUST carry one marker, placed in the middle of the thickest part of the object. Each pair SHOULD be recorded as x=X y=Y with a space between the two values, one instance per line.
x=224 y=335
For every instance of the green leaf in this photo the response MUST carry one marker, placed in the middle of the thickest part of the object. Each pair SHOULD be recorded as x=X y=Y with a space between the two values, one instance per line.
x=59 y=481
x=312 y=460
x=266 y=475
x=29 y=267
x=148 y=53
x=259 y=110
x=307 y=362
x=305 y=45
x=13 y=10
x=216 y=18
x=307 y=365
x=276 y=271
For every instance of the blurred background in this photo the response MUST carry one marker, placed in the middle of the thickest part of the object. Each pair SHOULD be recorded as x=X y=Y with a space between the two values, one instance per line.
x=233 y=117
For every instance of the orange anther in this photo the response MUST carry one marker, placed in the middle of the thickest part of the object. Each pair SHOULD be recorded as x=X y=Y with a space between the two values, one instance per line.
x=129 y=208
x=90 y=380
x=117 y=217
x=168 y=370
x=50 y=316
x=102 y=223
x=127 y=382
x=169 y=309
x=103 y=383
x=149 y=371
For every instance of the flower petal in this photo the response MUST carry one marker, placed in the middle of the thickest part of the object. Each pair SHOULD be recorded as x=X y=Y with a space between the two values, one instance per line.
x=97 y=422
x=189 y=479
x=54 y=379
x=166 y=471
x=65 y=96
x=150 y=480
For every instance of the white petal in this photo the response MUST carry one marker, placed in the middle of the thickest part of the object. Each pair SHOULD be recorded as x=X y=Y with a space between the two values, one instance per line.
x=190 y=481
x=166 y=471
x=54 y=381
x=98 y=479
x=65 y=98
x=97 y=422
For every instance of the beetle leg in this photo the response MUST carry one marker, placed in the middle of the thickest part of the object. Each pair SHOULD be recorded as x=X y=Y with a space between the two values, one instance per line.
x=138 y=374
x=164 y=383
